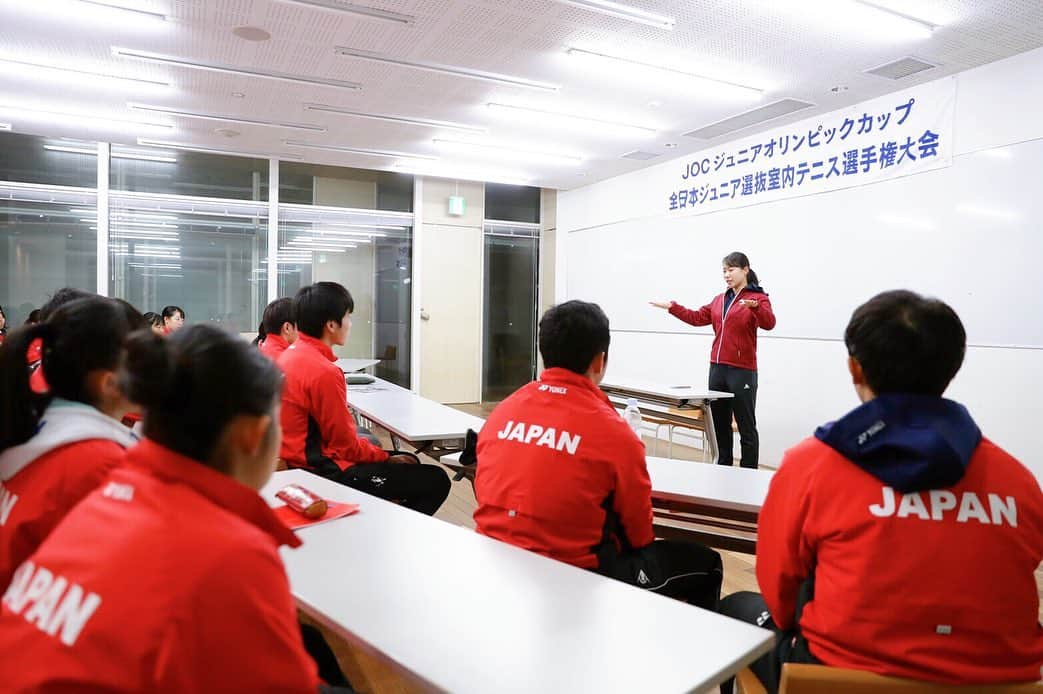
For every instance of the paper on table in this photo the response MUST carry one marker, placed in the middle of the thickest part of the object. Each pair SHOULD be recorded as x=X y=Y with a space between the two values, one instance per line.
x=295 y=521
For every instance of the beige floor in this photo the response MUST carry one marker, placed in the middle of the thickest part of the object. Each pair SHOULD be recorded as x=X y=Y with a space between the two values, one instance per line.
x=371 y=674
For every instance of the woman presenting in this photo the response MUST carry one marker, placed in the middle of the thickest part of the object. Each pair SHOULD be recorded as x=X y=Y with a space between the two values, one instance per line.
x=735 y=316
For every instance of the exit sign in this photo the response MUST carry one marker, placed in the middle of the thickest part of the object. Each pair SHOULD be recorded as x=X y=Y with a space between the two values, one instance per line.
x=457 y=206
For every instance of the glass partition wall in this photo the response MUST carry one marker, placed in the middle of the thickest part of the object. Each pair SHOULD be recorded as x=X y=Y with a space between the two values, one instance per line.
x=370 y=253
x=193 y=229
x=200 y=254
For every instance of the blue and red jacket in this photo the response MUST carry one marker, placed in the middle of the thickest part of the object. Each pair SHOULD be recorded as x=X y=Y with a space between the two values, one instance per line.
x=316 y=424
x=922 y=539
x=734 y=325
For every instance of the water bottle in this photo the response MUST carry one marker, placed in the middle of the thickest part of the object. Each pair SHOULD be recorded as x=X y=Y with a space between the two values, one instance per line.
x=632 y=416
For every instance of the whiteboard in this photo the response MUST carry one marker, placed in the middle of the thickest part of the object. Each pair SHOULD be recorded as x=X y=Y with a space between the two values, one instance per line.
x=970 y=234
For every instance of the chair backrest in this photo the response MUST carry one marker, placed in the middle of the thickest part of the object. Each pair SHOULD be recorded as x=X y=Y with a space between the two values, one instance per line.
x=820 y=679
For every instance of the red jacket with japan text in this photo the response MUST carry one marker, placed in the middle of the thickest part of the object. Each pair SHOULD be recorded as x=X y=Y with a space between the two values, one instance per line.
x=315 y=419
x=73 y=451
x=923 y=539
x=273 y=346
x=554 y=460
x=734 y=330
x=166 y=579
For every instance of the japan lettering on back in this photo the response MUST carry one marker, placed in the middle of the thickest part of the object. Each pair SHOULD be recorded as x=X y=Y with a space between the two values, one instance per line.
x=937 y=503
x=536 y=435
x=53 y=603
x=7 y=501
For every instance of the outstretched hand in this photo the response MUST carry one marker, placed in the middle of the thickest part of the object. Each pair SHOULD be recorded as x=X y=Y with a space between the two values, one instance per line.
x=749 y=303
x=661 y=304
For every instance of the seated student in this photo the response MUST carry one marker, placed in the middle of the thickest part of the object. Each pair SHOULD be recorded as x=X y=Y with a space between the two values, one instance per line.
x=278 y=328
x=560 y=473
x=60 y=298
x=58 y=447
x=173 y=319
x=33 y=355
x=168 y=577
x=155 y=321
x=319 y=433
x=898 y=539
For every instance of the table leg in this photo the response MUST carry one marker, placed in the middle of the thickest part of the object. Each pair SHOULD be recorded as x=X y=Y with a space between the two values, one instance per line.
x=710 y=442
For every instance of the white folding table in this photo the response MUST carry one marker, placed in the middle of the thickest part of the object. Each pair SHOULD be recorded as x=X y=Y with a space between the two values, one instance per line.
x=352 y=365
x=467 y=614
x=715 y=504
x=667 y=402
x=430 y=427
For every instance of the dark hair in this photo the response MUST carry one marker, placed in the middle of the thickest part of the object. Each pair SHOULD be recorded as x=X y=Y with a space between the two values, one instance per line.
x=739 y=260
x=80 y=337
x=276 y=314
x=906 y=343
x=194 y=383
x=318 y=303
x=60 y=298
x=33 y=317
x=572 y=334
x=3 y=330
x=169 y=311
x=154 y=319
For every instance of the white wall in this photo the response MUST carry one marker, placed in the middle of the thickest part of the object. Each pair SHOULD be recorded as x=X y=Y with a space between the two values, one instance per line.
x=612 y=247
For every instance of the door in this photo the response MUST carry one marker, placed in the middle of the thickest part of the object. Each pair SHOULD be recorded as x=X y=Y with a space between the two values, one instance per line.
x=450 y=318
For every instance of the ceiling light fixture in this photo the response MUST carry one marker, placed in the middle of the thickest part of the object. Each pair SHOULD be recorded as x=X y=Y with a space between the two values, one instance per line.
x=341 y=237
x=463 y=174
x=568 y=120
x=925 y=25
x=316 y=249
x=67 y=74
x=490 y=149
x=621 y=11
x=331 y=241
x=224 y=119
x=79 y=118
x=5 y=126
x=114 y=154
x=615 y=61
x=140 y=13
x=508 y=80
x=231 y=69
x=362 y=11
x=355 y=150
x=404 y=120
x=189 y=147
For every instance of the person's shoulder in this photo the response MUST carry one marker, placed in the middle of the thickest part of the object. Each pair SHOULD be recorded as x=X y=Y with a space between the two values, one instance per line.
x=997 y=461
x=87 y=455
x=808 y=459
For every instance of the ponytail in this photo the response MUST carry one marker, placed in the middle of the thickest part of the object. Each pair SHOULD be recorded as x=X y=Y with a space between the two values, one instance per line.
x=751 y=278
x=194 y=383
x=277 y=314
x=261 y=335
x=21 y=408
x=81 y=336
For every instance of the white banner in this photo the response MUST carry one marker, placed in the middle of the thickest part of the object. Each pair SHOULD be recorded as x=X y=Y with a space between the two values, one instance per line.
x=895 y=135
